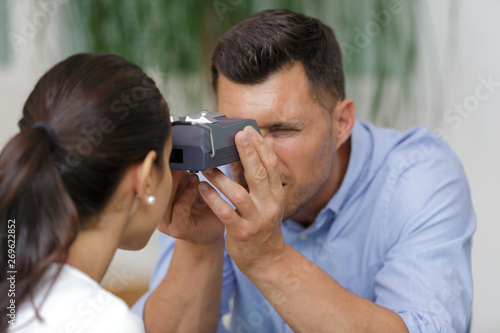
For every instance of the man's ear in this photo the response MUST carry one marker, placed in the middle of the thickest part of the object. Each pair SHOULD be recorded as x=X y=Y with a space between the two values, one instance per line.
x=344 y=116
x=145 y=175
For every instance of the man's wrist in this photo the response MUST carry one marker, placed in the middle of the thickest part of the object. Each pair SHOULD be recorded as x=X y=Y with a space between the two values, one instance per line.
x=270 y=268
x=201 y=251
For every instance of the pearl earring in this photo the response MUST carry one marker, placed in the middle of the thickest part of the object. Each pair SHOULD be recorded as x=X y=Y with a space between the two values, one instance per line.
x=150 y=200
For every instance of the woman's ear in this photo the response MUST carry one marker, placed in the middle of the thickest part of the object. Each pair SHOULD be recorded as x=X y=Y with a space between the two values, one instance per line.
x=145 y=175
x=344 y=116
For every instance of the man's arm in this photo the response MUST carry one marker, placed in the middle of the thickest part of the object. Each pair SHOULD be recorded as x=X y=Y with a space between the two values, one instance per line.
x=188 y=297
x=315 y=303
x=426 y=277
x=312 y=301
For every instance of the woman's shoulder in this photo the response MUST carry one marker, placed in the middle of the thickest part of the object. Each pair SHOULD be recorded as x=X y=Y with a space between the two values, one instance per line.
x=75 y=303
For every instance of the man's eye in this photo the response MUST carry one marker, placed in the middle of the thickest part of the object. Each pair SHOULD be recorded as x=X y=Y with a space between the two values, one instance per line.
x=282 y=131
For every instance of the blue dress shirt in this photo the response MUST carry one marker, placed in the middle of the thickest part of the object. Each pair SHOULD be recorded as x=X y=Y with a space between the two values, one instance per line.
x=397 y=232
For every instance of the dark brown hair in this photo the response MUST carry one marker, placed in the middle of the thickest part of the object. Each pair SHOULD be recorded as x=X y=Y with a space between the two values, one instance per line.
x=107 y=114
x=270 y=40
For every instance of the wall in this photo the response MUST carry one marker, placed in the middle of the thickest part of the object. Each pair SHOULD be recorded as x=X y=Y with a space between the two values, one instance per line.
x=476 y=138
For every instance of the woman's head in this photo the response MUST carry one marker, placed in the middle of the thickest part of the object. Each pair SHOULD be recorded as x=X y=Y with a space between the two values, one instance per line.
x=107 y=115
x=96 y=117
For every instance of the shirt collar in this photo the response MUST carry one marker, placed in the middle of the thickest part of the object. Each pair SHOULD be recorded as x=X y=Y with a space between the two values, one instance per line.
x=357 y=171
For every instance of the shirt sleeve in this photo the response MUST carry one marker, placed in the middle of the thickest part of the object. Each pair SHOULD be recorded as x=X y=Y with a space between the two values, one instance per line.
x=228 y=281
x=426 y=276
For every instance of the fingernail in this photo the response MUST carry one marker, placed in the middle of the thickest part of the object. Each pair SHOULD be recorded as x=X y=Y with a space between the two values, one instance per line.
x=210 y=171
x=203 y=186
x=192 y=179
x=250 y=130
x=244 y=138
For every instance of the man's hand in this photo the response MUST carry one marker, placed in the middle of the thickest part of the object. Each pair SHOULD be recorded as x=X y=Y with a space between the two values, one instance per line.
x=238 y=174
x=254 y=238
x=187 y=216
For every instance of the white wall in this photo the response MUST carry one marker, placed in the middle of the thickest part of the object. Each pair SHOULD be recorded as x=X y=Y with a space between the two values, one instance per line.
x=474 y=134
x=470 y=123
x=477 y=142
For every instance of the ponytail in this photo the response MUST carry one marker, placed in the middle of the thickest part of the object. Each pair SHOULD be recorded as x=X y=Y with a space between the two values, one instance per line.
x=35 y=204
x=105 y=115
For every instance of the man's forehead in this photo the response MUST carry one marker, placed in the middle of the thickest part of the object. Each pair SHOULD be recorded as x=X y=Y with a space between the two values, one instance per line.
x=268 y=118
x=282 y=100
x=291 y=77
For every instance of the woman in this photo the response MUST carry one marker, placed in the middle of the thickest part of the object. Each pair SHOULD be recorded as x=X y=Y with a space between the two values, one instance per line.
x=88 y=173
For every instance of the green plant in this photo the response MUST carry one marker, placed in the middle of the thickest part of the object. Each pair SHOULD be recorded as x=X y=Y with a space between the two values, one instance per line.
x=174 y=39
x=4 y=23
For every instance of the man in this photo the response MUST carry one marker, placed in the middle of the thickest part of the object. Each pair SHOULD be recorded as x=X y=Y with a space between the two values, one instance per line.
x=375 y=231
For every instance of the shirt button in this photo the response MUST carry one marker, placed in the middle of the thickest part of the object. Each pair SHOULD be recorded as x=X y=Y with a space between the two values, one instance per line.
x=303 y=237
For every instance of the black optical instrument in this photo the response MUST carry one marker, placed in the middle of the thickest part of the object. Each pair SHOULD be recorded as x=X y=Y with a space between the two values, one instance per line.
x=205 y=140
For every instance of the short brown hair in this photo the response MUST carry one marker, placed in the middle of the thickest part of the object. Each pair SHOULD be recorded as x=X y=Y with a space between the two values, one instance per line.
x=273 y=39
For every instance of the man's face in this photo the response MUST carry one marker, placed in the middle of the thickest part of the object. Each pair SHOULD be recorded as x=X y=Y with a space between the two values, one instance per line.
x=299 y=131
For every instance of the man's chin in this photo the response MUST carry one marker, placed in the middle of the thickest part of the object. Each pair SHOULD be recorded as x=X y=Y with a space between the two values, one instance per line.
x=290 y=211
x=293 y=209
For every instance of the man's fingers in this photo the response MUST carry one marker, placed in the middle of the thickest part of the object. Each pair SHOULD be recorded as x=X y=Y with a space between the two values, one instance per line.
x=236 y=193
x=238 y=174
x=268 y=159
x=260 y=164
x=219 y=206
x=254 y=170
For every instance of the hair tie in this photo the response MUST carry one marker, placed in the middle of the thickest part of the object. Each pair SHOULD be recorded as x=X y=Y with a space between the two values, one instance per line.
x=50 y=132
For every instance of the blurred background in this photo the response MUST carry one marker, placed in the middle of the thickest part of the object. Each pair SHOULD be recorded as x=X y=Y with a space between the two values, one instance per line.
x=422 y=62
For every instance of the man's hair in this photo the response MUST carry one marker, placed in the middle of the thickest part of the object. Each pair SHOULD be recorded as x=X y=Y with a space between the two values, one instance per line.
x=272 y=40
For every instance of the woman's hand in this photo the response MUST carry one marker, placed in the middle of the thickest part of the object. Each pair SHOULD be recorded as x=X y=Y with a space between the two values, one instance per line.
x=187 y=216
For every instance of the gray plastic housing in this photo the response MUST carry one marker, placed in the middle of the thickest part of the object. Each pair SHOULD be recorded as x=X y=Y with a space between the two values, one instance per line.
x=192 y=140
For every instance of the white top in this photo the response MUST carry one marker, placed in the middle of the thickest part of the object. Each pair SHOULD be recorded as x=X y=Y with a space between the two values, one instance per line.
x=75 y=304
